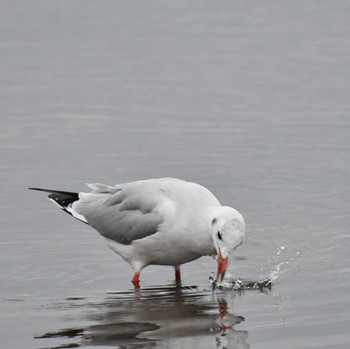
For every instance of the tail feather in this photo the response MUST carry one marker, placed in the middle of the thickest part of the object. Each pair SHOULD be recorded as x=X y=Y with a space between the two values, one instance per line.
x=65 y=200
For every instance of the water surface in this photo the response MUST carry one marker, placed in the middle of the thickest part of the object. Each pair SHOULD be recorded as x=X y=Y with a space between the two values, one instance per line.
x=249 y=99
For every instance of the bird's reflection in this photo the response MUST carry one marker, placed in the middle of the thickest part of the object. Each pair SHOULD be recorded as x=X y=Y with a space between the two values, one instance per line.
x=148 y=317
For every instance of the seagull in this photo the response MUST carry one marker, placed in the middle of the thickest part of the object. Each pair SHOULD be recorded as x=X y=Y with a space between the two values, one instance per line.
x=161 y=221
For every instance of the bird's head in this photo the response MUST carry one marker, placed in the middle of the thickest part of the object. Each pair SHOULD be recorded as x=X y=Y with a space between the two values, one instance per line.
x=228 y=231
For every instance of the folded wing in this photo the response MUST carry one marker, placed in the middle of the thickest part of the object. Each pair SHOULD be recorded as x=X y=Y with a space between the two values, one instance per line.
x=122 y=213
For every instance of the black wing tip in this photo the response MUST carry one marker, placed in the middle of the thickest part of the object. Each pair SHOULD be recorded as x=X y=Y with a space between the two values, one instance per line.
x=53 y=191
x=63 y=199
x=43 y=189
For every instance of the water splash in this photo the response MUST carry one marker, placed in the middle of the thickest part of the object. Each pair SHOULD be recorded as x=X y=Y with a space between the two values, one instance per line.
x=278 y=264
x=232 y=282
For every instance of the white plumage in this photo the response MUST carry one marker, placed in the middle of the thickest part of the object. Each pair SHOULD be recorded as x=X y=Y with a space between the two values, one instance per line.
x=163 y=221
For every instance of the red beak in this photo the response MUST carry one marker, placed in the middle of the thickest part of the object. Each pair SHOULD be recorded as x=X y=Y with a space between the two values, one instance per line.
x=222 y=265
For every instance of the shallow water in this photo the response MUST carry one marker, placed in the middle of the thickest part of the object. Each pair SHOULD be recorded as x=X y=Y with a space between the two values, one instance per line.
x=144 y=318
x=249 y=99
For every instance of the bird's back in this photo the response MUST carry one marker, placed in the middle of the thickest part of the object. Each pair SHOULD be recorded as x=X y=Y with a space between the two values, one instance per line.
x=131 y=211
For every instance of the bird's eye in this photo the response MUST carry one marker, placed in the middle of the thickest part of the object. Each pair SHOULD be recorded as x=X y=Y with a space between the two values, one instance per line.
x=219 y=235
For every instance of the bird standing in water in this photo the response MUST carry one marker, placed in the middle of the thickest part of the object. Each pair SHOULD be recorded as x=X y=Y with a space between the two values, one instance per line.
x=163 y=221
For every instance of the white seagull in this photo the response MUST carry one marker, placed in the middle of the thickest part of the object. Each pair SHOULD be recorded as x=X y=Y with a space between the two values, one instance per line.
x=163 y=221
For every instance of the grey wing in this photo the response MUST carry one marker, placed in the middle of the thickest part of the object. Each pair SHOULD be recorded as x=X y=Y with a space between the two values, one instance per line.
x=122 y=214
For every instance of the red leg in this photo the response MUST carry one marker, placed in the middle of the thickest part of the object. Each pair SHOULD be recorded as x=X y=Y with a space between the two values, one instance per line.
x=177 y=275
x=136 y=280
x=223 y=307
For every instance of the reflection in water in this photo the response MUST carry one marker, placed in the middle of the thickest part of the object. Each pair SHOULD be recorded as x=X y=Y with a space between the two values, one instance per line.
x=148 y=317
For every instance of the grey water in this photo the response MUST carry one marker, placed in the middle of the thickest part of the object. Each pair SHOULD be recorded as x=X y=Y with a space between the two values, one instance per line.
x=250 y=99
